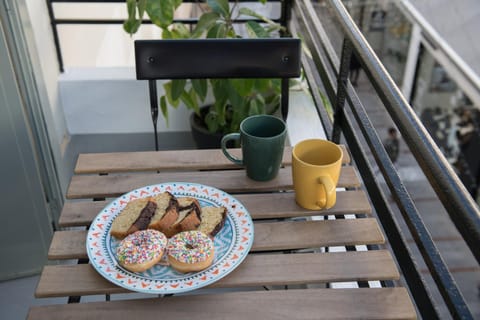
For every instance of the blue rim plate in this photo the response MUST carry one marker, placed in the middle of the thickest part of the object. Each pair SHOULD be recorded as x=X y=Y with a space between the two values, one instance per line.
x=232 y=243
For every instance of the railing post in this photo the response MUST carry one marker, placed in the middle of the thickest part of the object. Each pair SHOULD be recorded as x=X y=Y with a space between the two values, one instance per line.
x=342 y=79
x=286 y=12
x=53 y=23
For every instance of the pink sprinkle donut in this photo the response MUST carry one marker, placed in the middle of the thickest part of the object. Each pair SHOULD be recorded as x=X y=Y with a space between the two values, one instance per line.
x=141 y=250
x=190 y=251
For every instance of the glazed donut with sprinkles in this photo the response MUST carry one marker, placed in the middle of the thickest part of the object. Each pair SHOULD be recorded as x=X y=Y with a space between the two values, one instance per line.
x=190 y=251
x=141 y=250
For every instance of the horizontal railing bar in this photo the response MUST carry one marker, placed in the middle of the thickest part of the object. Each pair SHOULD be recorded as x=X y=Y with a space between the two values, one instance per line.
x=123 y=1
x=121 y=21
x=284 y=16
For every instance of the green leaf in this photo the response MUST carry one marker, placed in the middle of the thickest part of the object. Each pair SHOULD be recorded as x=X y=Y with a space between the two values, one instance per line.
x=200 y=86
x=161 y=12
x=220 y=110
x=262 y=84
x=211 y=120
x=249 y=12
x=255 y=14
x=131 y=26
x=253 y=108
x=237 y=102
x=205 y=23
x=167 y=34
x=142 y=6
x=132 y=9
x=217 y=31
x=190 y=100
x=255 y=30
x=260 y=104
x=243 y=86
x=220 y=89
x=164 y=108
x=231 y=33
x=220 y=6
x=168 y=93
x=235 y=98
x=178 y=86
x=176 y=31
x=271 y=25
x=272 y=106
x=277 y=83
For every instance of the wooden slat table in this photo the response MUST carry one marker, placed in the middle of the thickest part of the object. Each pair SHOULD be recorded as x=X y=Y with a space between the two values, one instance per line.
x=286 y=274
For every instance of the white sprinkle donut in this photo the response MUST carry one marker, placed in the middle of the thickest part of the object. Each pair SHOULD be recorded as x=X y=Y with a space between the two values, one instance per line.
x=141 y=250
x=190 y=251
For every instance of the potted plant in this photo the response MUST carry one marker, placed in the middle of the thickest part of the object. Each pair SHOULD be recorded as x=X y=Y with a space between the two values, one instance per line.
x=233 y=99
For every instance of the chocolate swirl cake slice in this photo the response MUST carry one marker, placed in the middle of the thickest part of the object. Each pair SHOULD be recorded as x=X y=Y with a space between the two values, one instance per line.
x=135 y=216
x=166 y=213
x=188 y=216
x=213 y=219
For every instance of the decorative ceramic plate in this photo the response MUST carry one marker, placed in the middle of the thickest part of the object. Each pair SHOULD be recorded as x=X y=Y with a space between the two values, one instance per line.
x=232 y=243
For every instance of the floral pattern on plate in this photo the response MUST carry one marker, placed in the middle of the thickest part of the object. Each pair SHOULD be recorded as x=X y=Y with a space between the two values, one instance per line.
x=232 y=243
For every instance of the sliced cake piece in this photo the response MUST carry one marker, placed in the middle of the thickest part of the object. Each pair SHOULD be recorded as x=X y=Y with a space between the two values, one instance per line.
x=166 y=213
x=135 y=216
x=188 y=216
x=212 y=220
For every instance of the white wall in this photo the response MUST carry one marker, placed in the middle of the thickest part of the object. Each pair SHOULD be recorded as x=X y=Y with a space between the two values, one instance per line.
x=44 y=59
x=111 y=100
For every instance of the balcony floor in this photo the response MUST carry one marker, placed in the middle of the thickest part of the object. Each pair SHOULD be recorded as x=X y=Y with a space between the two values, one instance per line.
x=16 y=296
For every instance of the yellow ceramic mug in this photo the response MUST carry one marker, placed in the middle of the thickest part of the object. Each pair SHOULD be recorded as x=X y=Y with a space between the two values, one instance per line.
x=316 y=166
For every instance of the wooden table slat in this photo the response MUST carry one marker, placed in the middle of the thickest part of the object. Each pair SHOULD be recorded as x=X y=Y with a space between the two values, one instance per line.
x=268 y=236
x=279 y=205
x=255 y=270
x=165 y=160
x=285 y=251
x=96 y=186
x=361 y=303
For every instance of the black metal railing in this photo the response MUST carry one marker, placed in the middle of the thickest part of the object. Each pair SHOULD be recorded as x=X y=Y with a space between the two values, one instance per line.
x=56 y=22
x=326 y=70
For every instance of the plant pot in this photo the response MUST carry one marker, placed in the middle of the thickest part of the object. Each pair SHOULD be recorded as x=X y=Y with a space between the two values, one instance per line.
x=203 y=138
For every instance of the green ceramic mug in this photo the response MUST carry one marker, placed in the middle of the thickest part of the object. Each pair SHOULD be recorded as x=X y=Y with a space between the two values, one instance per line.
x=262 y=139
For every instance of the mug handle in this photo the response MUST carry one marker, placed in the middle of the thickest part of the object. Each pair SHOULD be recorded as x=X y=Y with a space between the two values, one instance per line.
x=330 y=192
x=225 y=139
